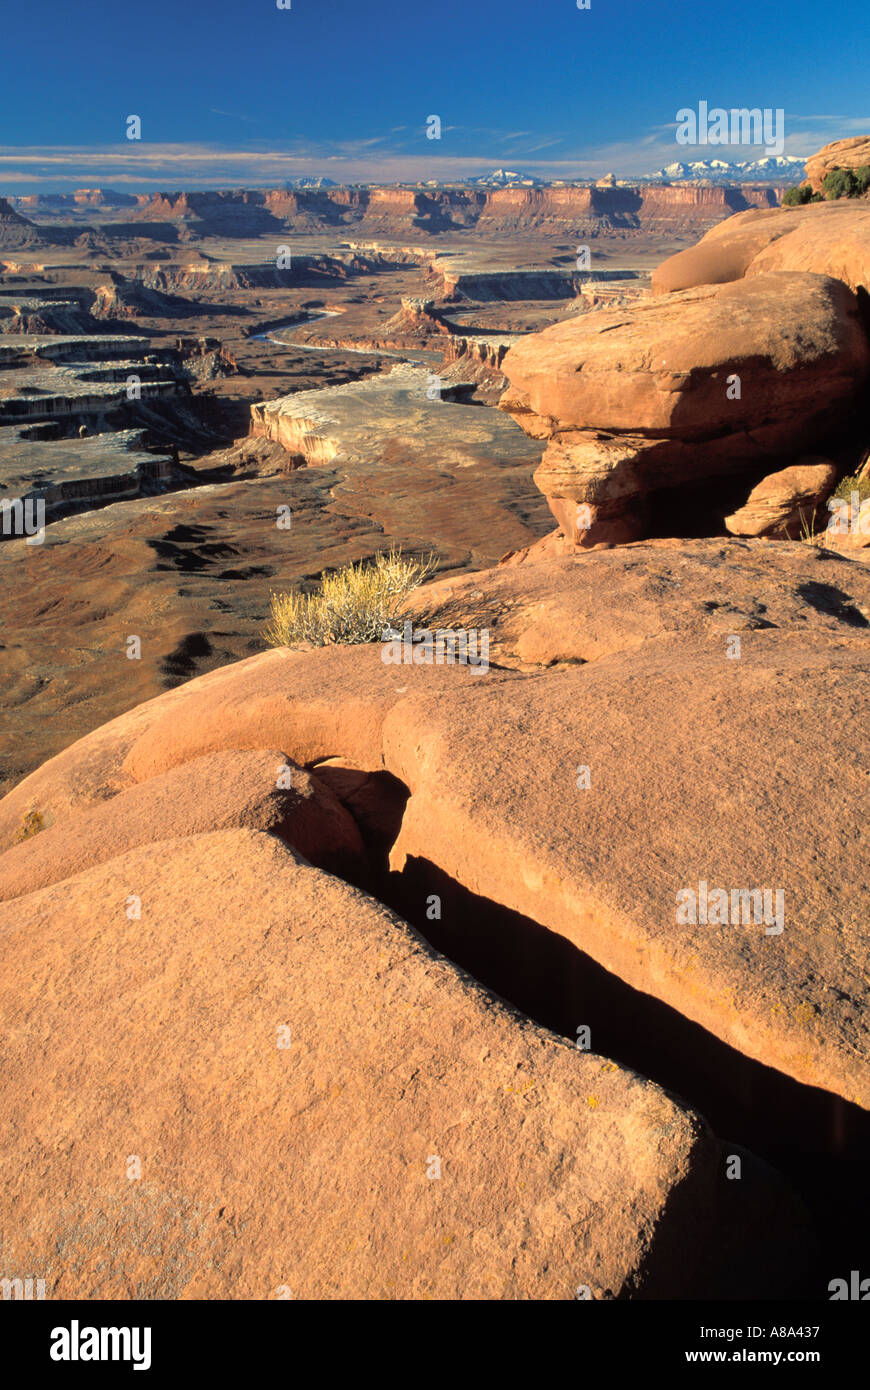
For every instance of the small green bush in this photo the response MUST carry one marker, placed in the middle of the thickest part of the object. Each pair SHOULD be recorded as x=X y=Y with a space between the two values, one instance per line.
x=862 y=177
x=796 y=197
x=840 y=183
x=847 y=486
x=354 y=604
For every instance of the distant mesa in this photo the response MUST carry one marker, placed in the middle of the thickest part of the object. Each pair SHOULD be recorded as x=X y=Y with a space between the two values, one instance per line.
x=423 y=209
x=502 y=202
x=100 y=198
x=17 y=231
x=10 y=216
x=70 y=202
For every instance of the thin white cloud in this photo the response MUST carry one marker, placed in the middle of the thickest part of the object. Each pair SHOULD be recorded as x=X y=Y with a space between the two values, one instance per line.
x=544 y=145
x=151 y=166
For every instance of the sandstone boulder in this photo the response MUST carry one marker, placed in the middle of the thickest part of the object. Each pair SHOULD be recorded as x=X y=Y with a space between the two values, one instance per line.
x=697 y=776
x=314 y=705
x=851 y=153
x=821 y=239
x=786 y=503
x=256 y=790
x=686 y=741
x=269 y=1087
x=546 y=610
x=690 y=393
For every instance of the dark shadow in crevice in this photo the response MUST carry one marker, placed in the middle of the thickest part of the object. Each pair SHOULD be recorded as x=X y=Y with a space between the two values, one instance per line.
x=817 y=1141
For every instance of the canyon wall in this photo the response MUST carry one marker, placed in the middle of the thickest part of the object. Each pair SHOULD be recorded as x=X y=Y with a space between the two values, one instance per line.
x=15 y=230
x=414 y=210
x=398 y=212
x=30 y=203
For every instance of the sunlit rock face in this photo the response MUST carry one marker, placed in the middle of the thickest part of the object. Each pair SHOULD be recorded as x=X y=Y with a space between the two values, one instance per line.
x=705 y=387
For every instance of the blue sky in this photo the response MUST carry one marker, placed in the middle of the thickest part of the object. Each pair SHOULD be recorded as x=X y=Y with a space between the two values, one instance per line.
x=233 y=93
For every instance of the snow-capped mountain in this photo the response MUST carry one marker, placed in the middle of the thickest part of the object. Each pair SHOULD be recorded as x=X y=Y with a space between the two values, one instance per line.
x=503 y=178
x=308 y=182
x=784 y=168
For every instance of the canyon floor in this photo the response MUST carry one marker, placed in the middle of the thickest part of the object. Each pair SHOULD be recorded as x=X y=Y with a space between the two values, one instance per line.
x=453 y=479
x=210 y=415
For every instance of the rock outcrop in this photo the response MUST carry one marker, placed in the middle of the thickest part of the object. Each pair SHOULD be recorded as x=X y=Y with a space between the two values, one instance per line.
x=487 y=352
x=416 y=318
x=852 y=153
x=225 y=790
x=784 y=987
x=16 y=231
x=848 y=522
x=543 y=609
x=397 y=436
x=632 y=790
x=787 y=503
x=330 y=700
x=228 y=1075
x=823 y=239
x=703 y=389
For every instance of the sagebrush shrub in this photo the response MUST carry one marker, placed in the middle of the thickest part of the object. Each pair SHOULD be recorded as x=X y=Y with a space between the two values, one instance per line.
x=354 y=604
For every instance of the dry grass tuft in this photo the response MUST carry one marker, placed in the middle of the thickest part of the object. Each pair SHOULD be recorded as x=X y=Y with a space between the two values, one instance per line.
x=355 y=604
